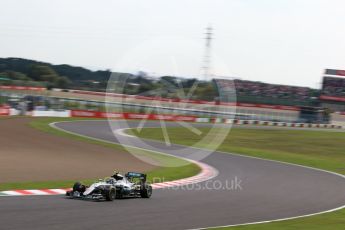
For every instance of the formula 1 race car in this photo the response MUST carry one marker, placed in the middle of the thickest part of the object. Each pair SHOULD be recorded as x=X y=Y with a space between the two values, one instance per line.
x=115 y=187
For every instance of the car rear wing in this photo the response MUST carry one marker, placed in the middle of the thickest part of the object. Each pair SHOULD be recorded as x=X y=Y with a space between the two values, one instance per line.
x=132 y=175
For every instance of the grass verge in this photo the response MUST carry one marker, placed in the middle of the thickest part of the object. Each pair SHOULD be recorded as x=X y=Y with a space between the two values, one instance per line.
x=319 y=149
x=324 y=150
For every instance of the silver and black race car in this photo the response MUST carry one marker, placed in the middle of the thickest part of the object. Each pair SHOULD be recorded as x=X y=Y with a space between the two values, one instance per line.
x=133 y=184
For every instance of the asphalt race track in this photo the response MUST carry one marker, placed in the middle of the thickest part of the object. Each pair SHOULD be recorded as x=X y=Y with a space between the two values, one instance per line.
x=270 y=190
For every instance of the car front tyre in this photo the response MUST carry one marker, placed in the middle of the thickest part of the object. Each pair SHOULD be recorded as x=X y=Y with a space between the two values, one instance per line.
x=79 y=187
x=110 y=194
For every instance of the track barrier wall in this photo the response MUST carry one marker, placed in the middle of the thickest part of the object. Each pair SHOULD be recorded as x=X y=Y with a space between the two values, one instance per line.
x=6 y=111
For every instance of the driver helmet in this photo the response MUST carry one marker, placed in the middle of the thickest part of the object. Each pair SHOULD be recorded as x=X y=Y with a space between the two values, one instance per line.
x=117 y=176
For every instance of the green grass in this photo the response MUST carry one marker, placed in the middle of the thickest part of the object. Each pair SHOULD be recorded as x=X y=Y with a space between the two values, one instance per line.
x=159 y=174
x=154 y=176
x=330 y=221
x=40 y=184
x=318 y=149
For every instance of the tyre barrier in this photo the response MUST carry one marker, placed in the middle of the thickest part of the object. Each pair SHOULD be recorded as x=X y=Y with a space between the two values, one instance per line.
x=282 y=124
x=272 y=123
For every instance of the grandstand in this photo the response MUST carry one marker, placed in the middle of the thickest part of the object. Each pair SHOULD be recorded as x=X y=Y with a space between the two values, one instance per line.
x=312 y=105
x=333 y=90
x=265 y=93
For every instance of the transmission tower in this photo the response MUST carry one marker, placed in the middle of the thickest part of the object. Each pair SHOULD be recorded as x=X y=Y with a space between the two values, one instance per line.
x=207 y=55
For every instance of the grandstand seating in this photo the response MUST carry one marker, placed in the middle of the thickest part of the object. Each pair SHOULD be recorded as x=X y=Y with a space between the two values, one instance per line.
x=333 y=86
x=264 y=93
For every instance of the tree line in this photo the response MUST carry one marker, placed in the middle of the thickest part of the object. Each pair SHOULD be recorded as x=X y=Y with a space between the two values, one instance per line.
x=27 y=71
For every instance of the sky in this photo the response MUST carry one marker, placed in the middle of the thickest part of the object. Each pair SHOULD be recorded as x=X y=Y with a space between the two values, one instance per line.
x=277 y=41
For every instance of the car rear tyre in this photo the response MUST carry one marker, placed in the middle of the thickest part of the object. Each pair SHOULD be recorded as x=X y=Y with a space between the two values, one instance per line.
x=146 y=191
x=119 y=193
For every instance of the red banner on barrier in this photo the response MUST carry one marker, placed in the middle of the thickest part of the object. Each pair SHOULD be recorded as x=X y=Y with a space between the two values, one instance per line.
x=13 y=87
x=331 y=98
x=130 y=116
x=95 y=114
x=263 y=106
x=4 y=110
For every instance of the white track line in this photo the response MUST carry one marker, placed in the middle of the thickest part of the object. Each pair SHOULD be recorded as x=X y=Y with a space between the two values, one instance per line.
x=272 y=221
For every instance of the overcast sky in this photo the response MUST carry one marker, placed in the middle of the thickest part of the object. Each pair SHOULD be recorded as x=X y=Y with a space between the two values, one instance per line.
x=276 y=41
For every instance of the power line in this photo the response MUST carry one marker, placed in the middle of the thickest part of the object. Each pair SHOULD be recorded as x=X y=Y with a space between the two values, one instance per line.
x=207 y=55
